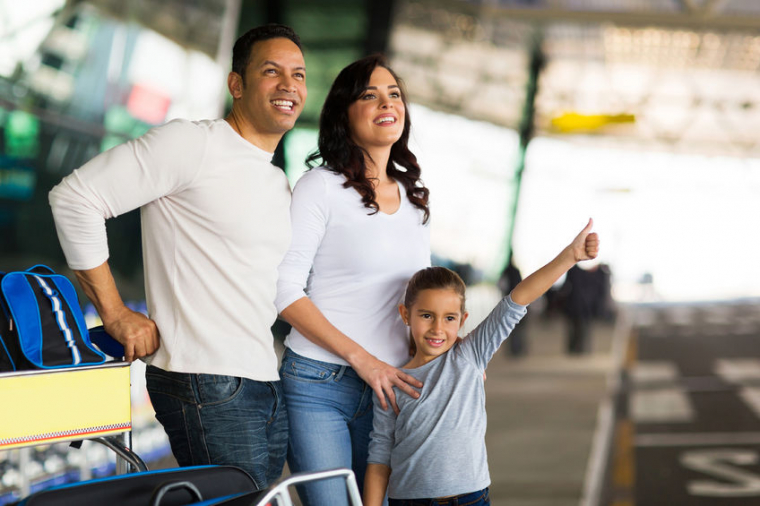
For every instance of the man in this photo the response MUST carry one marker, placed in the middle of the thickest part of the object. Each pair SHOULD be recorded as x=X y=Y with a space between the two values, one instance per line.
x=215 y=225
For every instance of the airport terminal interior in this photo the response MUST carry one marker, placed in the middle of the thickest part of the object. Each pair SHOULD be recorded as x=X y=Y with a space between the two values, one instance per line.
x=528 y=117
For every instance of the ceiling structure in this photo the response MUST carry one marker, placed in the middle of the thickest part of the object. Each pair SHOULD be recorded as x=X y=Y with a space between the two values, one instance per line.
x=679 y=75
x=661 y=74
x=198 y=25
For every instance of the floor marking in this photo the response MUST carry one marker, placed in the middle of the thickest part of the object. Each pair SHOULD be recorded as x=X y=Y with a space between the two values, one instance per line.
x=600 y=448
x=667 y=405
x=624 y=468
x=697 y=439
x=654 y=372
x=738 y=370
x=751 y=396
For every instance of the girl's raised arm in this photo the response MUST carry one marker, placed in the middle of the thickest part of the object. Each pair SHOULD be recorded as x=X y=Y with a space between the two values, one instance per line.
x=584 y=247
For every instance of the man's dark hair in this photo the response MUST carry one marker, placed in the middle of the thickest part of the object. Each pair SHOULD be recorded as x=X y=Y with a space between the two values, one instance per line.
x=241 y=52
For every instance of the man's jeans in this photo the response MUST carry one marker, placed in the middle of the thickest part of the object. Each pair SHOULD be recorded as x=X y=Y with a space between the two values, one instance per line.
x=222 y=420
x=330 y=412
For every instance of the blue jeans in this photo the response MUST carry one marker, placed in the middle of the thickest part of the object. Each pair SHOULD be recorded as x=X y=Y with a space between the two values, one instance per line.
x=330 y=413
x=479 y=498
x=222 y=420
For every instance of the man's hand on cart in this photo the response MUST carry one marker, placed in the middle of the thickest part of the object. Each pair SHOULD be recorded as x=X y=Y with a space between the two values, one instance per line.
x=135 y=331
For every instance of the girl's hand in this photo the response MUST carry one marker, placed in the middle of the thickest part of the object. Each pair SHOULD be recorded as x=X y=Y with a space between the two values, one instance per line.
x=586 y=245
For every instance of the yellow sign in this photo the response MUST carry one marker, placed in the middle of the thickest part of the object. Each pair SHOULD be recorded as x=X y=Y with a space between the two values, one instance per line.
x=65 y=405
x=573 y=122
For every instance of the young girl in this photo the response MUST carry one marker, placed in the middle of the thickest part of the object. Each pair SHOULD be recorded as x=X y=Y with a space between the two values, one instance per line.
x=435 y=446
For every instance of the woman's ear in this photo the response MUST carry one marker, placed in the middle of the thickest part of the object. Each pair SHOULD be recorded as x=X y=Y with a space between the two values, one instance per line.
x=404 y=314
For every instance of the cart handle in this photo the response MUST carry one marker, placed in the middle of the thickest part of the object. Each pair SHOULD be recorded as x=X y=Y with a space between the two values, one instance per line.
x=280 y=489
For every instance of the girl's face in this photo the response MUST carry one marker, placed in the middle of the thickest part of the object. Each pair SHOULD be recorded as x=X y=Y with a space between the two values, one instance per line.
x=377 y=117
x=435 y=319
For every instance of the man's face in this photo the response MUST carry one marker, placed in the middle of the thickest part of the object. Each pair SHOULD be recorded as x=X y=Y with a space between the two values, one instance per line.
x=274 y=92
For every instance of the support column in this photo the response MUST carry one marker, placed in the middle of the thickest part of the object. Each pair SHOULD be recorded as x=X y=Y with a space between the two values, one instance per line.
x=526 y=129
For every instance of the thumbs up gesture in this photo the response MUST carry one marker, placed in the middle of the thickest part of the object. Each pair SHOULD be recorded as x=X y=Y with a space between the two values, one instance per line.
x=585 y=246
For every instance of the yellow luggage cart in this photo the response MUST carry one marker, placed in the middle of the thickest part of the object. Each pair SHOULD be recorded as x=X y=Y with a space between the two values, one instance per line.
x=72 y=404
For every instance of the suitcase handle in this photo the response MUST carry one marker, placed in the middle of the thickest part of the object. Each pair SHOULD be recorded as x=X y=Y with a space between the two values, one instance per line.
x=164 y=489
x=106 y=343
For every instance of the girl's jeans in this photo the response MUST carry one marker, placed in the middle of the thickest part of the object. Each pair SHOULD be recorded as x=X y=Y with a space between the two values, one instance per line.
x=479 y=498
x=330 y=416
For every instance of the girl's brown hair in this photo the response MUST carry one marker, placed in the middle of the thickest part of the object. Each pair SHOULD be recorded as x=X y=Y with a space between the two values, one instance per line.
x=432 y=278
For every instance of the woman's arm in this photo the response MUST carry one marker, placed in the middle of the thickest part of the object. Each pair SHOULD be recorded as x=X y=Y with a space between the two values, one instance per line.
x=584 y=247
x=375 y=484
x=305 y=317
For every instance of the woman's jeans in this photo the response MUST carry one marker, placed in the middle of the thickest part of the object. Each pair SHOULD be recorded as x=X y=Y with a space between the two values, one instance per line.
x=479 y=498
x=222 y=420
x=330 y=413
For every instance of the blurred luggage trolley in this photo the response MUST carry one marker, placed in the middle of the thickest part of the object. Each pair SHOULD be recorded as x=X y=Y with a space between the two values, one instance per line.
x=93 y=402
x=187 y=486
x=43 y=407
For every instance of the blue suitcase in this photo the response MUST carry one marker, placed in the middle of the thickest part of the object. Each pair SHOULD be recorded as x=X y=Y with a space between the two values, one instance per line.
x=165 y=487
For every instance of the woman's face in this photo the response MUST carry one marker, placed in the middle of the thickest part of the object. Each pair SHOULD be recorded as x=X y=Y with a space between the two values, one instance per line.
x=377 y=117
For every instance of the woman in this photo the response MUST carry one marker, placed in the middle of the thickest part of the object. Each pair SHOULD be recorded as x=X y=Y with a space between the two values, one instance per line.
x=359 y=232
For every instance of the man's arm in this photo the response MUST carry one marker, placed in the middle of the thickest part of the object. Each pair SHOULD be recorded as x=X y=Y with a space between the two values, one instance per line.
x=135 y=331
x=584 y=247
x=119 y=180
x=375 y=484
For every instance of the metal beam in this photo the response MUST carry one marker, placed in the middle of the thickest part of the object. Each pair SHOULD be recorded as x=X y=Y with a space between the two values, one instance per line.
x=706 y=18
x=526 y=130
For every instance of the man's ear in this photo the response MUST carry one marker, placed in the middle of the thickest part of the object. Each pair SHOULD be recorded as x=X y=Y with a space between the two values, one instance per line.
x=235 y=84
x=404 y=314
x=464 y=319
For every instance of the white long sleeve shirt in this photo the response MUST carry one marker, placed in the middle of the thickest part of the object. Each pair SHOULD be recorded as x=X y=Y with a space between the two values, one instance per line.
x=215 y=226
x=353 y=265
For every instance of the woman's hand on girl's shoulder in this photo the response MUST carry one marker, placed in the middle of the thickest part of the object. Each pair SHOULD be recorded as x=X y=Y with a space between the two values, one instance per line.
x=382 y=377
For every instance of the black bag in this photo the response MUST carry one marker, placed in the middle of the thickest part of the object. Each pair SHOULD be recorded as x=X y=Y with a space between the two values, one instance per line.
x=41 y=323
x=164 y=487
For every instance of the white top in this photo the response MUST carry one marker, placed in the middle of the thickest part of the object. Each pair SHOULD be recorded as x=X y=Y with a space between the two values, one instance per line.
x=215 y=226
x=353 y=265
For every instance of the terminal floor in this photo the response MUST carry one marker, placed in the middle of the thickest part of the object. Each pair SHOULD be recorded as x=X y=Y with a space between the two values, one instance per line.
x=542 y=416
x=687 y=410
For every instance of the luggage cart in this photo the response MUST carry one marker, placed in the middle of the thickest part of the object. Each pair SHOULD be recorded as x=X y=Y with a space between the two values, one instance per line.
x=280 y=493
x=72 y=404
x=94 y=403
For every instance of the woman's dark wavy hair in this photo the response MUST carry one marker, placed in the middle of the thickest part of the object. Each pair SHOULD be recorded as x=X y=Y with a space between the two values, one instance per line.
x=339 y=153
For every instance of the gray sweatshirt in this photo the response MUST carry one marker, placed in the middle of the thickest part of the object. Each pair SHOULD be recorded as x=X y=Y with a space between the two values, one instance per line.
x=436 y=446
